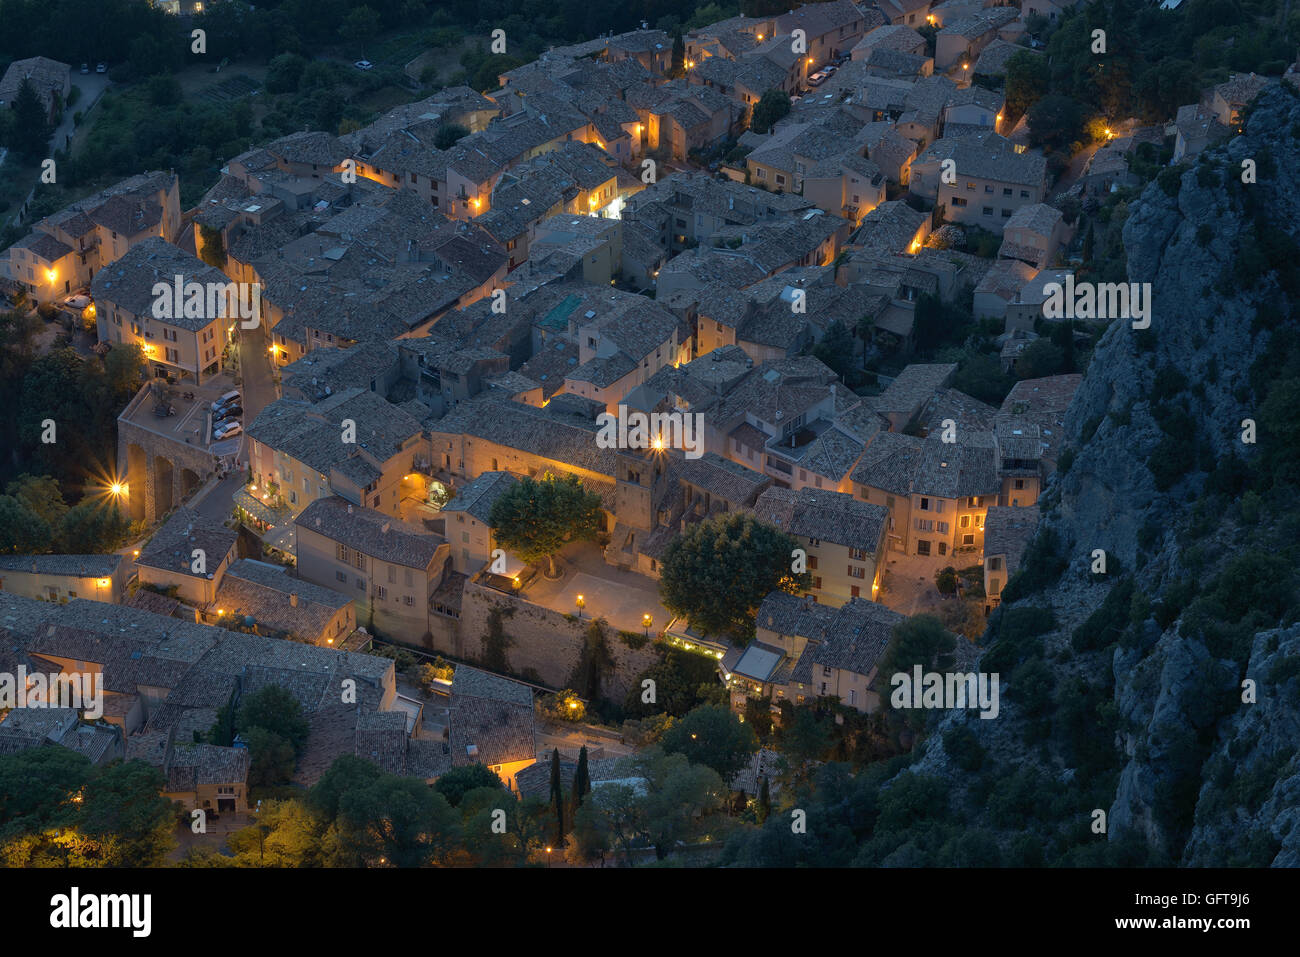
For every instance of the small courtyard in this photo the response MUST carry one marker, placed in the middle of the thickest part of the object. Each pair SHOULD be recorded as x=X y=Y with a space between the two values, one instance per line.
x=620 y=596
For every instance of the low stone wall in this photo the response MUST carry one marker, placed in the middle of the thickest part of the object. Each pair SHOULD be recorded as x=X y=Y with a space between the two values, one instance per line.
x=542 y=641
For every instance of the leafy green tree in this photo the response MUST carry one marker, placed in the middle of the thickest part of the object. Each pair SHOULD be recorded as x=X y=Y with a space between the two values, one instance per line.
x=1041 y=358
x=40 y=495
x=770 y=108
x=213 y=250
x=836 y=349
x=536 y=518
x=669 y=807
x=804 y=737
x=527 y=823
x=1055 y=121
x=591 y=835
x=271 y=721
x=273 y=760
x=981 y=375
x=458 y=782
x=123 y=809
x=391 y=821
x=449 y=135
x=31 y=134
x=920 y=640
x=718 y=572
x=122 y=367
x=1028 y=80
x=284 y=72
x=37 y=787
x=715 y=737
x=287 y=833
x=346 y=773
x=60 y=386
x=164 y=90
x=22 y=531
x=1165 y=86
x=92 y=527
x=359 y=27
x=274 y=709
x=946 y=580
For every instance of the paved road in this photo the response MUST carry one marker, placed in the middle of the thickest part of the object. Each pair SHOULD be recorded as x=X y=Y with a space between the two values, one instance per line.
x=1078 y=163
x=258 y=386
x=214 y=500
x=92 y=87
x=216 y=503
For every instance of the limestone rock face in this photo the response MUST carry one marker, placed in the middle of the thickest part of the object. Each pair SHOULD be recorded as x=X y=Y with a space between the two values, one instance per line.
x=1185 y=737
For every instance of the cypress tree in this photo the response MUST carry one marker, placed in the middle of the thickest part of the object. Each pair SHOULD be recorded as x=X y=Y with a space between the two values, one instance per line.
x=581 y=779
x=764 y=799
x=557 y=795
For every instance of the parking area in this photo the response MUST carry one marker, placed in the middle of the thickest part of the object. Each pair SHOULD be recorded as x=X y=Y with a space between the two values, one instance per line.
x=180 y=412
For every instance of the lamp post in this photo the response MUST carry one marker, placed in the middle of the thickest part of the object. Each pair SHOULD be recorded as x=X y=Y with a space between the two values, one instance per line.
x=582 y=603
x=647 y=621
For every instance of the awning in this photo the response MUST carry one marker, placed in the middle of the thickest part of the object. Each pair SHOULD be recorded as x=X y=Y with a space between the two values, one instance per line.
x=262 y=511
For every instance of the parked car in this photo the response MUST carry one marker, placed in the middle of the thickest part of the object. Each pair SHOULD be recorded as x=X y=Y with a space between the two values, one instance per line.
x=229 y=430
x=102 y=68
x=85 y=68
x=79 y=301
x=817 y=79
x=227 y=399
x=228 y=412
x=363 y=65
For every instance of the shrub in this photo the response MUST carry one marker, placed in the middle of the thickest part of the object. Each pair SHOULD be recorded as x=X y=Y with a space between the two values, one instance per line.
x=1105 y=625
x=946 y=580
x=1041 y=566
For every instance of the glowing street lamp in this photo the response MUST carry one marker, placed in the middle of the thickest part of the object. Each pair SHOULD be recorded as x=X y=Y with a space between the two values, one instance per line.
x=582 y=603
x=51 y=275
x=647 y=621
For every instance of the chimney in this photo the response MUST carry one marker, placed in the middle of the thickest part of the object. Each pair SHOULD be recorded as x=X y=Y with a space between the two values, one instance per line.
x=293 y=599
x=386 y=527
x=349 y=508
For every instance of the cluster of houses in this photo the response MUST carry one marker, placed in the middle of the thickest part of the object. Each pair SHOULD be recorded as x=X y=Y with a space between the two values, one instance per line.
x=445 y=320
x=159 y=682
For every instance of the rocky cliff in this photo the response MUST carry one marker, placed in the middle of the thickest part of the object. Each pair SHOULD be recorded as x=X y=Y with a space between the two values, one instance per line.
x=1166 y=692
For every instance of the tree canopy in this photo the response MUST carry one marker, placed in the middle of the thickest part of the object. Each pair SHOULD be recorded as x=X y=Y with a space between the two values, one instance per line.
x=771 y=107
x=538 y=517
x=718 y=572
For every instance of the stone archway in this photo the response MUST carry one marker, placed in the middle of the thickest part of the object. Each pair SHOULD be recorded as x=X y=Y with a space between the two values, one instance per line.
x=190 y=483
x=163 y=476
x=137 y=478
